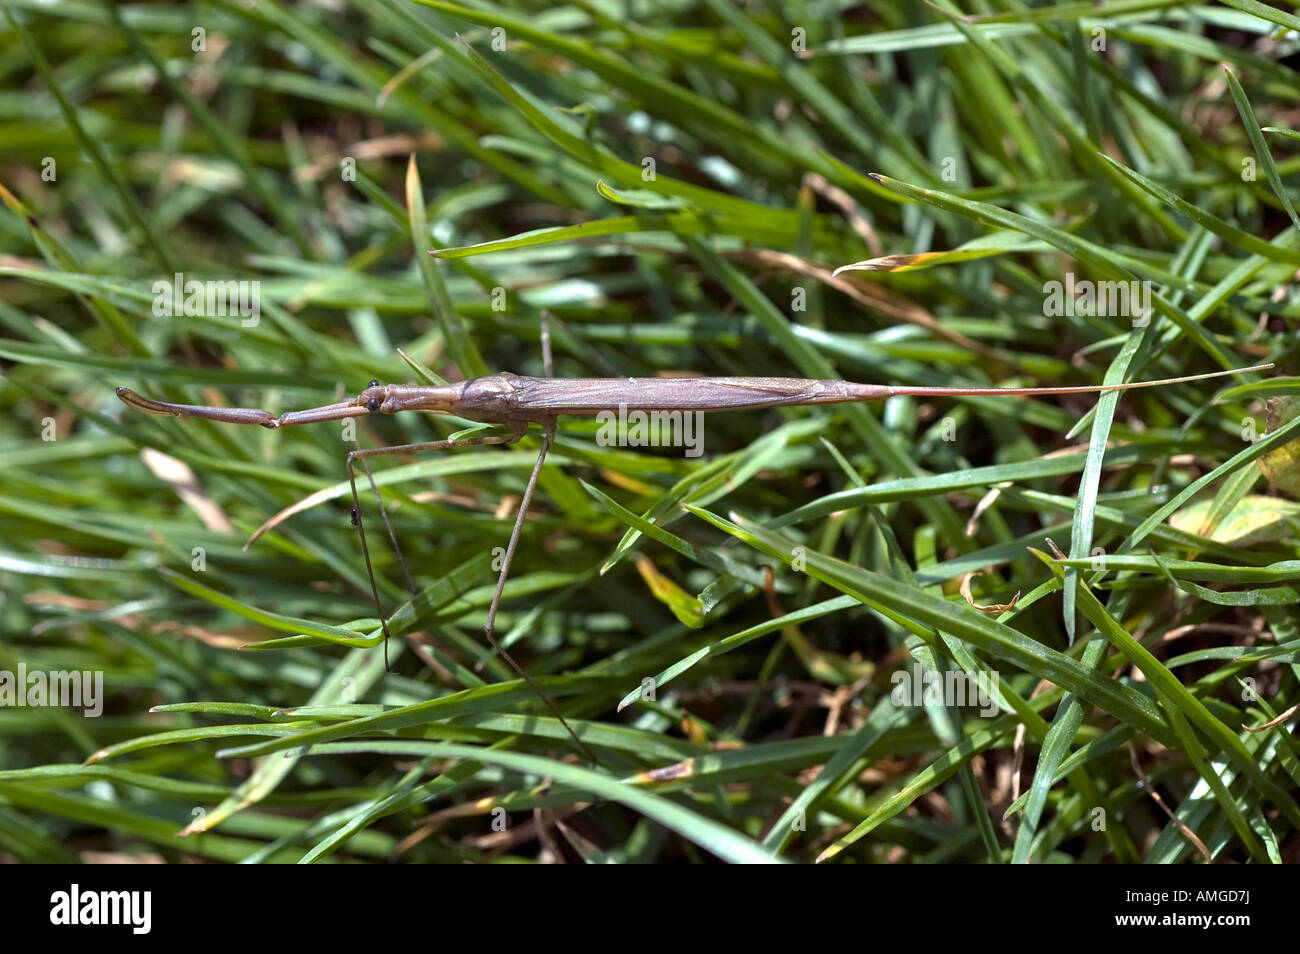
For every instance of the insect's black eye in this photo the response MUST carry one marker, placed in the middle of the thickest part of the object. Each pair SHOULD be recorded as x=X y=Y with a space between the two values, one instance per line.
x=372 y=405
x=373 y=384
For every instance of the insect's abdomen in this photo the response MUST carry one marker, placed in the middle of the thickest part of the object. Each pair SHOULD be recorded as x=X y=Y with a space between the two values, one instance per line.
x=590 y=396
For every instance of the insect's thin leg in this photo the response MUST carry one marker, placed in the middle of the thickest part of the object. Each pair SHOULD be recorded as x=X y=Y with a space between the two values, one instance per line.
x=489 y=628
x=388 y=525
x=383 y=512
x=357 y=522
x=581 y=343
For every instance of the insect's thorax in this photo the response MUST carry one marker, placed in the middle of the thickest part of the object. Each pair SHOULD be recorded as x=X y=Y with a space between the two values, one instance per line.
x=492 y=399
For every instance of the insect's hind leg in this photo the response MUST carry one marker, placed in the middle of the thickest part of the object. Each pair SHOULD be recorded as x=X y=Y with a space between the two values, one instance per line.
x=489 y=628
x=362 y=455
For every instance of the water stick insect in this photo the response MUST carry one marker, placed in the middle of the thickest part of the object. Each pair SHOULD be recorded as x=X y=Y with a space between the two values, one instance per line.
x=517 y=401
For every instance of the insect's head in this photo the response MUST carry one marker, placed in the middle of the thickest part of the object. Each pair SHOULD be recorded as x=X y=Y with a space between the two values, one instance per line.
x=391 y=398
x=372 y=396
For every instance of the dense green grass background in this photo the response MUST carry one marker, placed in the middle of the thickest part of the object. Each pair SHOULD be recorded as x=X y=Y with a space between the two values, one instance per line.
x=674 y=183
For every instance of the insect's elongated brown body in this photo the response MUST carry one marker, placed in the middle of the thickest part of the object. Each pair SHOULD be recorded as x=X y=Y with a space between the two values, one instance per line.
x=516 y=401
x=506 y=398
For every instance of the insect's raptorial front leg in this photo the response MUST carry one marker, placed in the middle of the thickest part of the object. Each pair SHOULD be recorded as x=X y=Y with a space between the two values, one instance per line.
x=361 y=455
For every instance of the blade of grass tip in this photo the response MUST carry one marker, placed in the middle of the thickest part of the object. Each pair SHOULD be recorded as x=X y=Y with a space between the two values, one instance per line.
x=927 y=779
x=1102 y=260
x=1174 y=695
x=1085 y=514
x=1069 y=716
x=850 y=474
x=1229 y=233
x=459 y=344
x=736 y=641
x=605 y=163
x=199 y=734
x=1210 y=773
x=129 y=824
x=405 y=794
x=92 y=147
x=359 y=670
x=287 y=624
x=1266 y=12
x=494 y=697
x=422 y=372
x=661 y=94
x=222 y=138
x=900 y=150
x=998 y=639
x=710 y=835
x=1262 y=152
x=57 y=256
x=1065 y=124
x=707 y=557
x=936 y=653
x=883 y=717
x=1052 y=752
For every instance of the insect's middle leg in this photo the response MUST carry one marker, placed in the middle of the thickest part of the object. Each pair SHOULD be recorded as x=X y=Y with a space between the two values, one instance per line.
x=362 y=455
